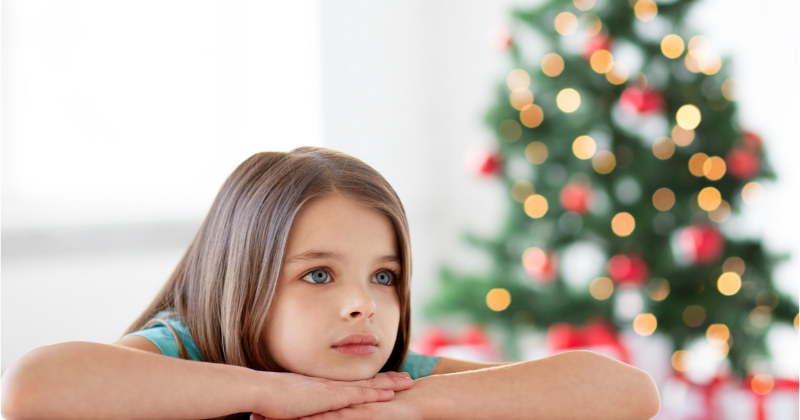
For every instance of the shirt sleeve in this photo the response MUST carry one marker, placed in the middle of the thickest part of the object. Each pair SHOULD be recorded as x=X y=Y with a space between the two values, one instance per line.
x=418 y=365
x=163 y=338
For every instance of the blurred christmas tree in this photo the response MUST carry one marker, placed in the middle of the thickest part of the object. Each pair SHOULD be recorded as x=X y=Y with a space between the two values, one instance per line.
x=620 y=149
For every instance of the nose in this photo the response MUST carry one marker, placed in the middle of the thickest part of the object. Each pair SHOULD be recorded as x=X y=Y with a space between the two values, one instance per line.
x=357 y=303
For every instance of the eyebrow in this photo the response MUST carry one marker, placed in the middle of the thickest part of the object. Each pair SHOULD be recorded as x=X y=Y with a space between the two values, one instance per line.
x=322 y=255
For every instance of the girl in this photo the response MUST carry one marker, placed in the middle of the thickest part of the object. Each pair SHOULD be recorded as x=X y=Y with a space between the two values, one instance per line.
x=295 y=294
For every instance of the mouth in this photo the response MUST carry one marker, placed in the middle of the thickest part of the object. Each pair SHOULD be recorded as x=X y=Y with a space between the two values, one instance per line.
x=357 y=345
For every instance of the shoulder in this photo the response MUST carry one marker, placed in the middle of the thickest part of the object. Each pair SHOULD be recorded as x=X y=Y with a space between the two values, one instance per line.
x=166 y=335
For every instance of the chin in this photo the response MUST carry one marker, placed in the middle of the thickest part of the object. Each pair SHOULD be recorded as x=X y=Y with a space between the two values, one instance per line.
x=352 y=373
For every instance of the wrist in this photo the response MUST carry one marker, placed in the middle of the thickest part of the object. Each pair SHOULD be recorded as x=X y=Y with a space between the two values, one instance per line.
x=429 y=397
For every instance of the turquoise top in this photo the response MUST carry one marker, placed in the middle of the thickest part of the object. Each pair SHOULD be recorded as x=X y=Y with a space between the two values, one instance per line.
x=417 y=365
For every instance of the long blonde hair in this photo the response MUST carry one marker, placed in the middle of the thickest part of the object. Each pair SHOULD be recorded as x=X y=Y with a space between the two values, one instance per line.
x=224 y=285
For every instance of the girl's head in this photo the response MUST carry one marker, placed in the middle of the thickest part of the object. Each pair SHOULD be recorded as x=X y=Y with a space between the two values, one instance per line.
x=293 y=257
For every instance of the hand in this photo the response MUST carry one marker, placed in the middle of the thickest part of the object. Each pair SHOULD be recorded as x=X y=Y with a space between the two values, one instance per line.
x=401 y=407
x=292 y=395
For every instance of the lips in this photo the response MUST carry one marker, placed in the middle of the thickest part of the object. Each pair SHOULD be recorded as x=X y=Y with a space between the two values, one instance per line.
x=357 y=345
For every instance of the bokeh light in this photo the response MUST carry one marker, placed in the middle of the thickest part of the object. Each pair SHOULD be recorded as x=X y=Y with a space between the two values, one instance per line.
x=618 y=73
x=709 y=198
x=536 y=206
x=568 y=100
x=762 y=384
x=498 y=299
x=688 y=117
x=584 y=4
x=601 y=61
x=531 y=115
x=663 y=148
x=718 y=333
x=584 y=147
x=729 y=89
x=691 y=62
x=682 y=360
x=767 y=298
x=672 y=46
x=520 y=99
x=645 y=10
x=694 y=315
x=552 y=64
x=566 y=23
x=760 y=316
x=645 y=324
x=729 y=283
x=536 y=153
x=714 y=168
x=682 y=137
x=658 y=290
x=604 y=162
x=601 y=288
x=623 y=224
x=518 y=80
x=510 y=130
x=721 y=213
x=521 y=190
x=696 y=163
x=663 y=199
x=720 y=349
x=752 y=193
x=733 y=265
x=710 y=63
x=591 y=24
x=534 y=259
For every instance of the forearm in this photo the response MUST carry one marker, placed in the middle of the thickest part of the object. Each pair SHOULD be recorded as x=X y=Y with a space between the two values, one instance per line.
x=567 y=386
x=98 y=381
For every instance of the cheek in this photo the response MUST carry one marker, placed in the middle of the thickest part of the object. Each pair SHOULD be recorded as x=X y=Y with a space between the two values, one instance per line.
x=291 y=328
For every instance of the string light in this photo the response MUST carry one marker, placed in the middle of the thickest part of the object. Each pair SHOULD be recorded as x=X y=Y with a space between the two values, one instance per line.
x=728 y=89
x=498 y=299
x=682 y=360
x=521 y=190
x=568 y=100
x=710 y=63
x=694 y=315
x=672 y=46
x=566 y=23
x=663 y=148
x=663 y=199
x=692 y=62
x=718 y=333
x=760 y=316
x=601 y=61
x=658 y=290
x=721 y=213
x=752 y=192
x=688 y=117
x=536 y=153
x=584 y=4
x=682 y=137
x=518 y=80
x=623 y=224
x=510 y=130
x=762 y=384
x=536 y=206
x=552 y=64
x=584 y=147
x=645 y=324
x=696 y=163
x=714 y=168
x=734 y=265
x=709 y=198
x=645 y=10
x=729 y=283
x=618 y=73
x=601 y=288
x=797 y=322
x=604 y=162
x=520 y=99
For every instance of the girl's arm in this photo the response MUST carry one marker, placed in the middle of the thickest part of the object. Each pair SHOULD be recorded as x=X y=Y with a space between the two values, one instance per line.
x=98 y=381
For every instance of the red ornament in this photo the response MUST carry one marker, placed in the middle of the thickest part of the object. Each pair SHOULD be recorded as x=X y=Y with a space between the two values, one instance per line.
x=541 y=266
x=472 y=343
x=638 y=101
x=483 y=163
x=595 y=334
x=600 y=41
x=701 y=244
x=576 y=197
x=628 y=269
x=751 y=140
x=743 y=163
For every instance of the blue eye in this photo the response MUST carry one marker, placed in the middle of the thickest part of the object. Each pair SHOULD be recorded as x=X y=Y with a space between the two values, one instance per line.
x=384 y=277
x=317 y=276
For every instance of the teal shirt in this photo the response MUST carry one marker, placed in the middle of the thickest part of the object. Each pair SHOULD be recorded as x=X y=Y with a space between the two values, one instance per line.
x=417 y=365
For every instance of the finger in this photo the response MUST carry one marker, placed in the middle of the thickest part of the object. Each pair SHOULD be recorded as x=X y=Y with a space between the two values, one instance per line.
x=391 y=374
x=361 y=395
x=394 y=383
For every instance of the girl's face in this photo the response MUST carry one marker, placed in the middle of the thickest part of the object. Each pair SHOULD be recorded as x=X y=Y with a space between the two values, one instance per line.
x=336 y=312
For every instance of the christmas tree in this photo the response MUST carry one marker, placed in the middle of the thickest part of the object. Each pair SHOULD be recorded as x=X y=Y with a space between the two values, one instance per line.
x=618 y=143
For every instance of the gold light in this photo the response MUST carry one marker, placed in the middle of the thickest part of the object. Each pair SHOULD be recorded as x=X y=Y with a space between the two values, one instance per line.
x=618 y=73
x=697 y=42
x=566 y=23
x=797 y=322
x=663 y=148
x=672 y=46
x=728 y=89
x=694 y=315
x=521 y=190
x=688 y=117
x=696 y=163
x=729 y=283
x=623 y=224
x=644 y=324
x=718 y=333
x=709 y=198
x=733 y=265
x=752 y=192
x=584 y=147
x=552 y=64
x=510 y=130
x=682 y=137
x=714 y=168
x=692 y=61
x=721 y=213
x=658 y=290
x=568 y=100
x=536 y=153
x=681 y=360
x=601 y=61
x=760 y=316
x=604 y=162
x=663 y=199
x=518 y=80
x=601 y=288
x=531 y=115
x=498 y=299
x=645 y=10
x=710 y=64
x=584 y=4
x=762 y=384
x=767 y=298
x=536 y=206
x=520 y=99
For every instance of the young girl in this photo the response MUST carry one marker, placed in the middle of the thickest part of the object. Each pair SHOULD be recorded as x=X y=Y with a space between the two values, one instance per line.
x=293 y=301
